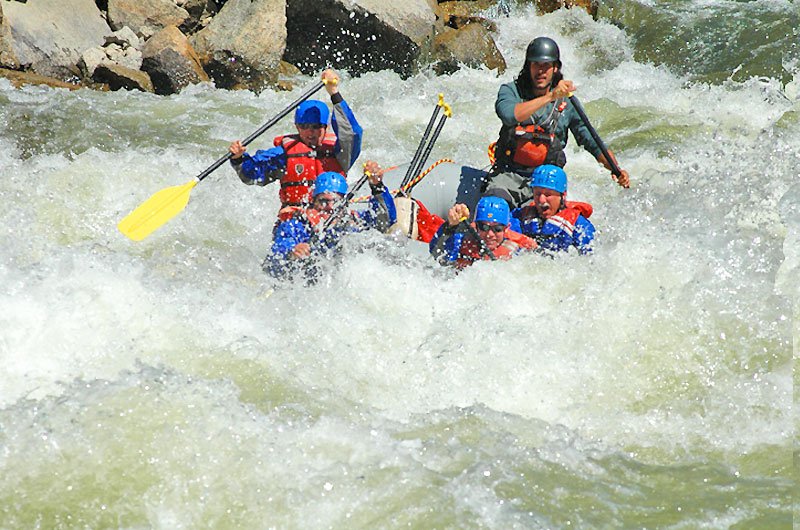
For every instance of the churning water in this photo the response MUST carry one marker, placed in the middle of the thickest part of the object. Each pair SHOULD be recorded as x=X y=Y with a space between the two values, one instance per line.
x=163 y=384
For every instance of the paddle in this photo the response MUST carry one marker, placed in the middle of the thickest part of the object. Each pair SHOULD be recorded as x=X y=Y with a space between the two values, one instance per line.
x=435 y=136
x=419 y=158
x=341 y=207
x=422 y=141
x=579 y=108
x=483 y=250
x=169 y=202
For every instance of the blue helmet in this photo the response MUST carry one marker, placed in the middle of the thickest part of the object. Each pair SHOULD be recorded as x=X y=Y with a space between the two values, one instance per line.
x=493 y=210
x=550 y=177
x=330 y=181
x=312 y=111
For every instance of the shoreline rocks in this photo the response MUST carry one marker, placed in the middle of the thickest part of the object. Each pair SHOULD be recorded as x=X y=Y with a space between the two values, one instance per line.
x=162 y=46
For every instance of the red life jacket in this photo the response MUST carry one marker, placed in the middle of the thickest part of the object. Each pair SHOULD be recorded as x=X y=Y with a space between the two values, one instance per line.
x=583 y=208
x=565 y=219
x=514 y=241
x=303 y=165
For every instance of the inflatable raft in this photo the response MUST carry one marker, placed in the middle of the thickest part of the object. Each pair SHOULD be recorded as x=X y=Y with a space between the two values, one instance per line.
x=440 y=186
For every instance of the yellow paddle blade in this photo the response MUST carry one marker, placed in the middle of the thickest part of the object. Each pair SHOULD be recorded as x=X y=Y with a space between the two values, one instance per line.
x=155 y=211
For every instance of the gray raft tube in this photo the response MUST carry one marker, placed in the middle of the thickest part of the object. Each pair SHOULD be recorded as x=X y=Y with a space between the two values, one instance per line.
x=447 y=184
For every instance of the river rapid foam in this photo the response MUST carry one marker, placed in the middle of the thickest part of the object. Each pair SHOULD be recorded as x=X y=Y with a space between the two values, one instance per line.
x=169 y=384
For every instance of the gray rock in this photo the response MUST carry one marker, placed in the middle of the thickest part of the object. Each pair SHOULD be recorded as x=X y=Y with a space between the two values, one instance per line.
x=119 y=77
x=471 y=45
x=124 y=37
x=243 y=44
x=51 y=35
x=131 y=58
x=358 y=35
x=171 y=61
x=91 y=59
x=199 y=11
x=145 y=17
x=127 y=57
x=7 y=57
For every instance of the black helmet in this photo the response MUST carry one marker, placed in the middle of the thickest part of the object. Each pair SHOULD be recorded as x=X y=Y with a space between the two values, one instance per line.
x=543 y=50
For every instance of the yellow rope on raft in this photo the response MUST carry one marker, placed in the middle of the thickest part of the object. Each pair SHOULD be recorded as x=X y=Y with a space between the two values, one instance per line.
x=416 y=180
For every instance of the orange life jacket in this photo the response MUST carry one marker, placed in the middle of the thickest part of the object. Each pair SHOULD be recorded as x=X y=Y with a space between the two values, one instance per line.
x=513 y=243
x=303 y=165
x=531 y=145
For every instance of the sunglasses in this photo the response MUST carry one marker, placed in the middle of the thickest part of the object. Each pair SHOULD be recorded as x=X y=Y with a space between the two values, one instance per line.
x=306 y=126
x=485 y=227
x=324 y=200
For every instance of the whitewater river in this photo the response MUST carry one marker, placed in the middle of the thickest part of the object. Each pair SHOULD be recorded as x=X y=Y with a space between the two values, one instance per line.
x=164 y=384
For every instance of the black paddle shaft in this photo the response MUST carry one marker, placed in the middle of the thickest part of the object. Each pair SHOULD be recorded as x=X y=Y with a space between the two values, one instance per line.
x=261 y=130
x=483 y=250
x=343 y=204
x=415 y=159
x=579 y=108
x=429 y=147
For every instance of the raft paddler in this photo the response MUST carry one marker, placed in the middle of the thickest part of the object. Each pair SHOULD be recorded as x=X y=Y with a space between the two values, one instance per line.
x=297 y=237
x=297 y=159
x=537 y=114
x=460 y=244
x=555 y=223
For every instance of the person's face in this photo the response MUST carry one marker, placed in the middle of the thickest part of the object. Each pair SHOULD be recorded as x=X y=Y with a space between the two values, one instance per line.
x=492 y=234
x=311 y=134
x=542 y=75
x=324 y=202
x=547 y=201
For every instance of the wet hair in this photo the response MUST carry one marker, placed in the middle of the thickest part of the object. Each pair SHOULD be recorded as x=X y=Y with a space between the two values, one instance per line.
x=525 y=83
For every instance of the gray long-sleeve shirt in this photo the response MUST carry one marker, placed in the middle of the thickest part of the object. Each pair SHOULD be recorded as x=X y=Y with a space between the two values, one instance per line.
x=508 y=97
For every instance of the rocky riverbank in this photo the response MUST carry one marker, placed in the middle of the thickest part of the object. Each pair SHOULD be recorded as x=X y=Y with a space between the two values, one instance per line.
x=162 y=46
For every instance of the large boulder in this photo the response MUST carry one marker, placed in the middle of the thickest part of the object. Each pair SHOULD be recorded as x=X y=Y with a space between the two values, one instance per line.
x=548 y=6
x=7 y=57
x=171 y=61
x=200 y=14
x=358 y=35
x=49 y=36
x=456 y=14
x=243 y=45
x=119 y=77
x=471 y=45
x=145 y=17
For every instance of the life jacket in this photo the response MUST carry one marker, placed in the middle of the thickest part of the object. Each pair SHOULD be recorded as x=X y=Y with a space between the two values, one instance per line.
x=470 y=251
x=303 y=214
x=529 y=212
x=564 y=220
x=303 y=165
x=527 y=146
